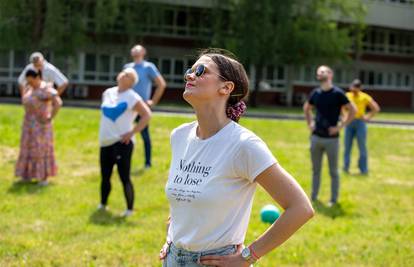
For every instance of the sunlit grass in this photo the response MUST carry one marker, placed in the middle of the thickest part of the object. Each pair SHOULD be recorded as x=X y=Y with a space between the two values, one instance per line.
x=58 y=225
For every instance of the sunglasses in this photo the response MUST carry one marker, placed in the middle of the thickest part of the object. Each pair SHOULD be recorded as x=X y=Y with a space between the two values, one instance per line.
x=199 y=71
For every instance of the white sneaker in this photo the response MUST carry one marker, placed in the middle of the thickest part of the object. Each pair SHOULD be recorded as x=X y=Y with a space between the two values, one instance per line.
x=43 y=183
x=127 y=213
x=102 y=207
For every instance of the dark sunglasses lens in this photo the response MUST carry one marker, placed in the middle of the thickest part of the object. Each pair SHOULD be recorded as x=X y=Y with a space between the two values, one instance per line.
x=187 y=72
x=200 y=70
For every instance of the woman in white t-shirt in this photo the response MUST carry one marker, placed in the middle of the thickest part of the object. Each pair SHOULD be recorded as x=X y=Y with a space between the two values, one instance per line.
x=120 y=106
x=215 y=166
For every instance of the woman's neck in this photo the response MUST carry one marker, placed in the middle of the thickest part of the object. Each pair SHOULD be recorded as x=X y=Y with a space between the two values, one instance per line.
x=355 y=92
x=210 y=120
x=37 y=84
x=122 y=88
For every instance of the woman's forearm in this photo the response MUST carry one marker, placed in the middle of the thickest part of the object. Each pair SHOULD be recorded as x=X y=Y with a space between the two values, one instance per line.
x=283 y=228
x=142 y=123
x=56 y=104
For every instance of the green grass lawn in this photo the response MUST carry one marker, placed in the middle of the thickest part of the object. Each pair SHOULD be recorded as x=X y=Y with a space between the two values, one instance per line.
x=404 y=115
x=58 y=225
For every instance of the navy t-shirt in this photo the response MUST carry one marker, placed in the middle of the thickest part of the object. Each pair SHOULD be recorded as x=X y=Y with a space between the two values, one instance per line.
x=328 y=106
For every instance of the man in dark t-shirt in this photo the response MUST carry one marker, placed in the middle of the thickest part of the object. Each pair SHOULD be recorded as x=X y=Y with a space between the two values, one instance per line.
x=328 y=100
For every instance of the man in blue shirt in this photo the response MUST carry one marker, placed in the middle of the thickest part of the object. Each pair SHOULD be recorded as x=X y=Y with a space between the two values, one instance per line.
x=328 y=100
x=147 y=75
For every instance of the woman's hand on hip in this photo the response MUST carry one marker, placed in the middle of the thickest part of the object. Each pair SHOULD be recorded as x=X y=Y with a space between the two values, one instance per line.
x=126 y=137
x=164 y=251
x=235 y=260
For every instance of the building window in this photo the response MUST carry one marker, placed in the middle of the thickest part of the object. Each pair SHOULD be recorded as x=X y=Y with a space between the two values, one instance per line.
x=400 y=2
x=309 y=74
x=386 y=80
x=104 y=68
x=178 y=71
x=274 y=77
x=166 y=66
x=407 y=80
x=379 y=78
x=172 y=69
x=4 y=63
x=398 y=80
x=118 y=64
x=90 y=66
x=387 y=41
x=19 y=59
x=371 y=80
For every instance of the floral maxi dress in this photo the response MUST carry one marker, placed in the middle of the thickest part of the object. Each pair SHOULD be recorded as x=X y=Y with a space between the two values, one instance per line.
x=36 y=157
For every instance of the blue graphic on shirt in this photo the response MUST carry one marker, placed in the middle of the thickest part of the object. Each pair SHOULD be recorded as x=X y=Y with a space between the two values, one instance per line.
x=113 y=113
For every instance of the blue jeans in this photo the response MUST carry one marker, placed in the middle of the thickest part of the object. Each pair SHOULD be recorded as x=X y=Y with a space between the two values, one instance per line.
x=177 y=257
x=357 y=128
x=147 y=143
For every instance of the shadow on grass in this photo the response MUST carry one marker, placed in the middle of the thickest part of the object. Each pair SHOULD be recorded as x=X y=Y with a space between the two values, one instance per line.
x=138 y=172
x=356 y=175
x=333 y=212
x=106 y=218
x=31 y=187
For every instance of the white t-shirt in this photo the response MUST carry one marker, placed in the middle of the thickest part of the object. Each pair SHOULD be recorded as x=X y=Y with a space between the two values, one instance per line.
x=211 y=185
x=117 y=115
x=49 y=74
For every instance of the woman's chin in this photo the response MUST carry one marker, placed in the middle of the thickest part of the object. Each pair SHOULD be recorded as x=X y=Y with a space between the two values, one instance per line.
x=187 y=94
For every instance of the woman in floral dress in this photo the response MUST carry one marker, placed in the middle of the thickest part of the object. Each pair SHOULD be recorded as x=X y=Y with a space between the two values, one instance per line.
x=41 y=103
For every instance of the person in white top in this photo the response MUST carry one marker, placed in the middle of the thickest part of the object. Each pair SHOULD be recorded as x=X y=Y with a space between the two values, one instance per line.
x=120 y=106
x=50 y=73
x=215 y=167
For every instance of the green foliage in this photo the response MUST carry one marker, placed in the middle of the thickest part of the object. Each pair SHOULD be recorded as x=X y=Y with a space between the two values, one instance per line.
x=288 y=32
x=106 y=12
x=68 y=26
x=15 y=17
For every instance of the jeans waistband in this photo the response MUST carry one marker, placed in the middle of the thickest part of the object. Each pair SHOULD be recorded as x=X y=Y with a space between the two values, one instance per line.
x=180 y=252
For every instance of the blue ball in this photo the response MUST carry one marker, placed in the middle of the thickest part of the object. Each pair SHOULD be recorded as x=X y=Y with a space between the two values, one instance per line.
x=269 y=214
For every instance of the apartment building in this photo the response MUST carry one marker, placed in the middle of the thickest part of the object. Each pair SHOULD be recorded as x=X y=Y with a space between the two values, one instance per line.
x=385 y=66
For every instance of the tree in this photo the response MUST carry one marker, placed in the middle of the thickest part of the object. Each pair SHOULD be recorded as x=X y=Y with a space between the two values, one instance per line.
x=291 y=33
x=67 y=26
x=43 y=25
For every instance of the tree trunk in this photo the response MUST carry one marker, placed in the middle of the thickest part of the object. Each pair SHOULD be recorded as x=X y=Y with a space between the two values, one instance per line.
x=412 y=98
x=39 y=19
x=289 y=85
x=257 y=78
x=357 y=55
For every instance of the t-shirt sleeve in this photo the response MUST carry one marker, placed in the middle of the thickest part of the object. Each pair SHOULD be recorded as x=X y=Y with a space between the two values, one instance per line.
x=172 y=135
x=253 y=158
x=153 y=71
x=104 y=95
x=128 y=65
x=368 y=99
x=343 y=99
x=58 y=77
x=22 y=79
x=311 y=98
x=133 y=100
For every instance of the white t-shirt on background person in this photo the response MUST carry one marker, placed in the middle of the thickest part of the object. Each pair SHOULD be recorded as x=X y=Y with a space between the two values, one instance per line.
x=211 y=185
x=117 y=115
x=49 y=74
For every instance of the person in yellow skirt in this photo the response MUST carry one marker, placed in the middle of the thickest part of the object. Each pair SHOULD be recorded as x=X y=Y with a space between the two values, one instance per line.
x=358 y=128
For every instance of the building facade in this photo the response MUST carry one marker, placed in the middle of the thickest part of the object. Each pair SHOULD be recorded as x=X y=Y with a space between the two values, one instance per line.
x=385 y=65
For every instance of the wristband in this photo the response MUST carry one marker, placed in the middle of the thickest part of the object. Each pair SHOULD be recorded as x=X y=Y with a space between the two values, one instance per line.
x=254 y=255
